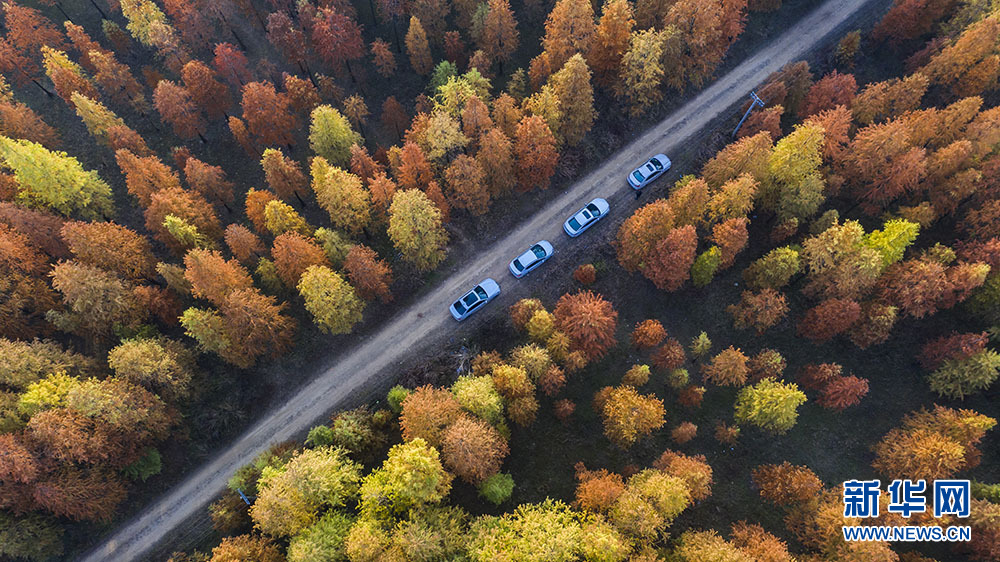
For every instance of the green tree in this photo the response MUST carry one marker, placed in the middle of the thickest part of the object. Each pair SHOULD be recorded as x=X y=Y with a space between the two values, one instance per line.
x=479 y=396
x=411 y=476
x=497 y=488
x=705 y=265
x=794 y=187
x=331 y=136
x=32 y=537
x=774 y=270
x=53 y=179
x=770 y=405
x=893 y=240
x=959 y=377
x=415 y=229
x=331 y=300
x=289 y=498
x=323 y=540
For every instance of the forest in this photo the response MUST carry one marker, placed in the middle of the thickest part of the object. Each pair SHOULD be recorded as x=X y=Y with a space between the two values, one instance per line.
x=193 y=191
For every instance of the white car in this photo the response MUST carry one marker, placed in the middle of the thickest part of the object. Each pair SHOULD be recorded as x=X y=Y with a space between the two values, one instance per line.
x=534 y=257
x=652 y=169
x=586 y=217
x=472 y=301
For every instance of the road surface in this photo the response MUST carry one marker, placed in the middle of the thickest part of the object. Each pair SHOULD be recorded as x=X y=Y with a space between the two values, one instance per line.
x=427 y=321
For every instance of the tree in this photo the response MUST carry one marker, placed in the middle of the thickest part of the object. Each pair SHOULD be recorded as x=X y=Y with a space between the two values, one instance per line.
x=879 y=101
x=828 y=319
x=289 y=500
x=968 y=64
x=794 y=187
x=53 y=179
x=839 y=263
x=246 y=547
x=478 y=396
x=843 y=392
x=385 y=61
x=414 y=171
x=828 y=92
x=749 y=155
x=293 y=254
x=331 y=136
x=145 y=175
x=535 y=147
x=731 y=237
x=231 y=64
x=767 y=120
x=116 y=80
x=267 y=114
x=189 y=206
x=786 y=484
x=472 y=449
x=611 y=41
x=411 y=476
x=160 y=365
x=883 y=163
x=20 y=121
x=417 y=47
x=67 y=76
x=641 y=71
x=464 y=178
x=576 y=99
x=588 y=320
x=370 y=275
x=415 y=229
x=341 y=194
x=336 y=36
x=668 y=266
x=323 y=540
x=284 y=34
x=32 y=537
x=639 y=235
x=475 y=119
x=499 y=36
x=729 y=368
x=770 y=405
x=212 y=277
x=208 y=180
x=569 y=29
x=283 y=175
x=648 y=333
x=248 y=324
x=178 y=109
x=705 y=265
x=239 y=131
x=96 y=117
x=110 y=247
x=212 y=96
x=427 y=413
x=760 y=310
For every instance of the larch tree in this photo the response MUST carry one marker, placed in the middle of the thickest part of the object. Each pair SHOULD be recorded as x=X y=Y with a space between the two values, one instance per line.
x=176 y=107
x=770 y=405
x=473 y=449
x=212 y=277
x=189 y=206
x=589 y=320
x=748 y=155
x=569 y=29
x=267 y=114
x=728 y=368
x=341 y=194
x=629 y=416
x=839 y=263
x=415 y=229
x=464 y=178
x=111 y=247
x=433 y=16
x=642 y=72
x=382 y=190
x=417 y=47
x=336 y=37
x=212 y=96
x=279 y=217
x=231 y=64
x=83 y=44
x=794 y=186
x=535 y=147
x=385 y=61
x=476 y=119
x=498 y=37
x=293 y=253
x=414 y=171
x=611 y=41
x=496 y=158
x=209 y=180
x=828 y=319
x=243 y=243
x=117 y=82
x=96 y=117
x=145 y=175
x=302 y=94
x=576 y=99
x=55 y=180
x=668 y=265
x=760 y=310
x=828 y=92
x=94 y=301
x=641 y=232
x=67 y=76
x=331 y=300
x=283 y=175
x=369 y=275
x=286 y=36
x=331 y=135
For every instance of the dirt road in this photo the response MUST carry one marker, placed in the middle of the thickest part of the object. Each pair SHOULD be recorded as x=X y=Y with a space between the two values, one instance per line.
x=427 y=320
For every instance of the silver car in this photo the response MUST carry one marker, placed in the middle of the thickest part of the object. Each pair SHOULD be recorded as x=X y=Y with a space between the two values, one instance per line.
x=472 y=301
x=534 y=257
x=586 y=217
x=652 y=169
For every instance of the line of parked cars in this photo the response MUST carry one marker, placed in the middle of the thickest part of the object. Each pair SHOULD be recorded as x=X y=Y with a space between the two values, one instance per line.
x=488 y=289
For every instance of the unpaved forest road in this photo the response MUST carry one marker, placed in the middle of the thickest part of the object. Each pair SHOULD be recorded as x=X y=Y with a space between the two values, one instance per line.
x=427 y=320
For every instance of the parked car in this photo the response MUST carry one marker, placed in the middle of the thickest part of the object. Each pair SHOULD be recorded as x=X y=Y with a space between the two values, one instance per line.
x=472 y=301
x=586 y=217
x=529 y=260
x=652 y=169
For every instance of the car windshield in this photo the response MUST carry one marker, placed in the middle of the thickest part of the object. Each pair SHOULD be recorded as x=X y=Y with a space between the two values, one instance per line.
x=594 y=210
x=638 y=176
x=538 y=250
x=574 y=224
x=481 y=292
x=458 y=307
x=656 y=163
x=517 y=264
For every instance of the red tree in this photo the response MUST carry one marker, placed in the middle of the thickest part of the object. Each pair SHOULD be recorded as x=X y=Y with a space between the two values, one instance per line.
x=370 y=275
x=669 y=264
x=337 y=38
x=535 y=147
x=267 y=114
x=211 y=95
x=231 y=64
x=178 y=109
x=829 y=318
x=828 y=92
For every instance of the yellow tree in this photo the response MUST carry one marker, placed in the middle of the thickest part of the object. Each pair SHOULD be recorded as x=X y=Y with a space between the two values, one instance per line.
x=415 y=229
x=642 y=72
x=417 y=47
x=464 y=178
x=499 y=37
x=611 y=41
x=569 y=30
x=576 y=99
x=330 y=299
x=341 y=194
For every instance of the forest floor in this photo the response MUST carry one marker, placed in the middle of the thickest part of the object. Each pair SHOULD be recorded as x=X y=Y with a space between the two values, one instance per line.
x=423 y=326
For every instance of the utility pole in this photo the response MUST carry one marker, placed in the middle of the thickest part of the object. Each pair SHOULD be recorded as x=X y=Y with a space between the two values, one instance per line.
x=756 y=101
